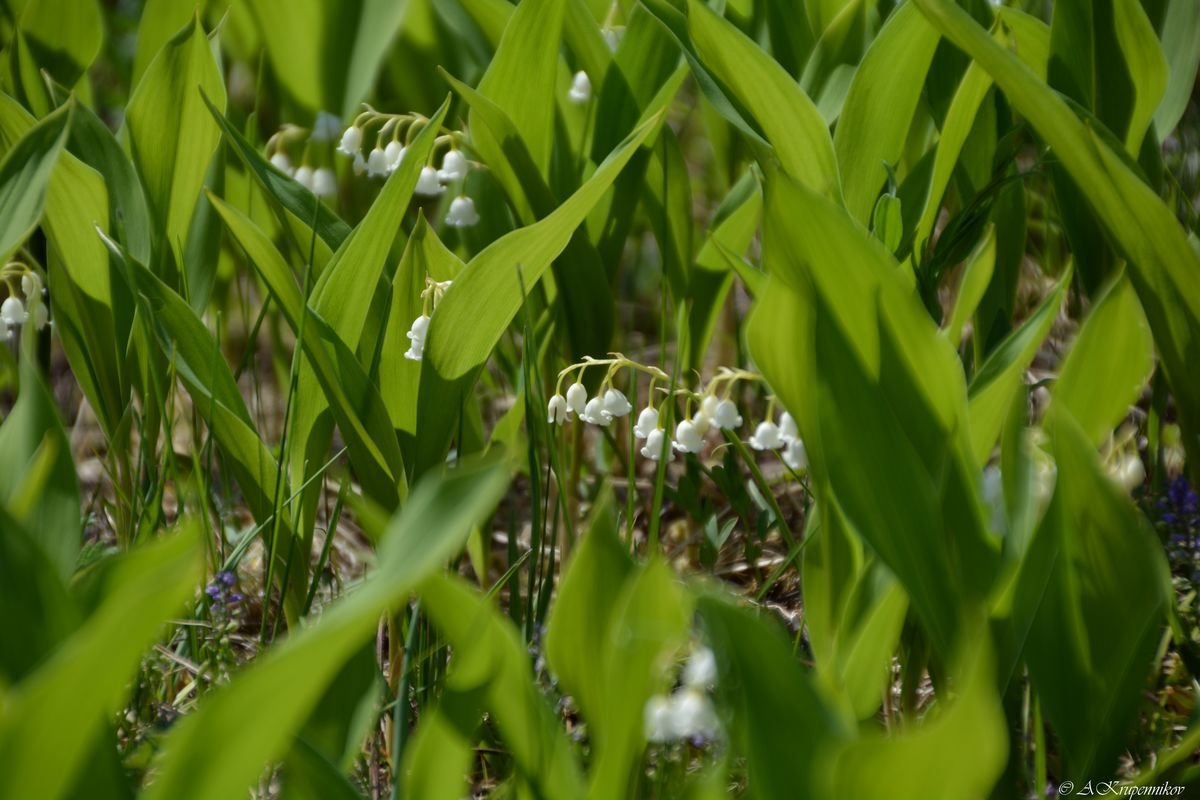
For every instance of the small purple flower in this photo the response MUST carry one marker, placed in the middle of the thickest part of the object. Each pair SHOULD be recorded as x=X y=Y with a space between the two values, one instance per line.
x=227 y=578
x=236 y=598
x=213 y=591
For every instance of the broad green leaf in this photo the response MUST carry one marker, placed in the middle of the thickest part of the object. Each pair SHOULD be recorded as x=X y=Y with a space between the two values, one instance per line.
x=521 y=81
x=88 y=675
x=771 y=107
x=160 y=20
x=37 y=477
x=25 y=174
x=438 y=759
x=64 y=36
x=1095 y=575
x=781 y=724
x=1109 y=363
x=977 y=273
x=887 y=221
x=171 y=137
x=1146 y=64
x=464 y=331
x=997 y=381
x=1182 y=51
x=1162 y=264
x=221 y=749
x=879 y=109
x=958 y=750
x=491 y=662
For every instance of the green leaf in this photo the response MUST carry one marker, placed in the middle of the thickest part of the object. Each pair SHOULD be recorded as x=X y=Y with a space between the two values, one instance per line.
x=1147 y=68
x=220 y=750
x=64 y=36
x=171 y=137
x=879 y=109
x=37 y=477
x=491 y=664
x=977 y=274
x=89 y=674
x=1163 y=265
x=1095 y=575
x=1182 y=51
x=24 y=176
x=887 y=221
x=1109 y=363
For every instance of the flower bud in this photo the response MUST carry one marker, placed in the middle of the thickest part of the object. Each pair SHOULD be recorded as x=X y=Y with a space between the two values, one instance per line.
x=647 y=422
x=351 y=141
x=359 y=165
x=556 y=411
x=462 y=213
x=304 y=177
x=40 y=315
x=616 y=404
x=688 y=438
x=324 y=182
x=31 y=286
x=581 y=88
x=282 y=163
x=576 y=398
x=428 y=184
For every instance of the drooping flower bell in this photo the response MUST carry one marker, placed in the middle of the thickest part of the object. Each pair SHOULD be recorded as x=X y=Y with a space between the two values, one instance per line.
x=394 y=154
x=658 y=719
x=766 y=436
x=326 y=128
x=647 y=423
x=788 y=428
x=304 y=176
x=653 y=449
x=281 y=162
x=581 y=88
x=324 y=182
x=700 y=672
x=31 y=286
x=377 y=164
x=40 y=315
x=612 y=37
x=454 y=167
x=794 y=454
x=428 y=184
x=616 y=404
x=352 y=139
x=725 y=415
x=556 y=410
x=595 y=414
x=688 y=438
x=462 y=213
x=359 y=165
x=576 y=398
x=416 y=335
x=692 y=714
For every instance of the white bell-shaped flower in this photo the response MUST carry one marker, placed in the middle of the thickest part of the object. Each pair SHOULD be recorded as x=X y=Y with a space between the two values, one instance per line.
x=40 y=315
x=324 y=182
x=616 y=404
x=594 y=413
x=766 y=436
x=658 y=719
x=788 y=428
x=281 y=162
x=647 y=422
x=612 y=37
x=327 y=127
x=794 y=454
x=700 y=671
x=653 y=449
x=556 y=410
x=352 y=139
x=377 y=164
x=1129 y=472
x=12 y=312
x=581 y=88
x=416 y=335
x=687 y=438
x=725 y=415
x=394 y=154
x=428 y=184
x=454 y=167
x=304 y=176
x=693 y=715
x=462 y=213
x=359 y=165
x=31 y=286
x=576 y=398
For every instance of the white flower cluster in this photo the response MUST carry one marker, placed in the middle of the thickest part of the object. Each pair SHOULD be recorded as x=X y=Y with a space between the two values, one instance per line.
x=688 y=712
x=716 y=412
x=13 y=311
x=320 y=180
x=391 y=145
x=434 y=291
